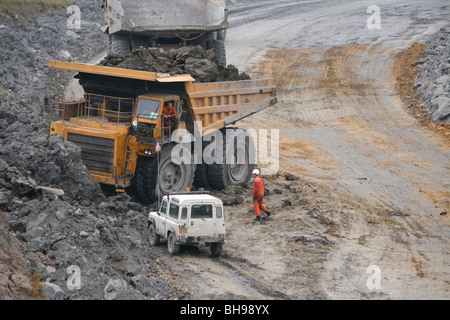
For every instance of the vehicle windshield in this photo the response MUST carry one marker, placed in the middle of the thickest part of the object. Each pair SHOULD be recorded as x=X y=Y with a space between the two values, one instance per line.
x=148 y=109
x=201 y=211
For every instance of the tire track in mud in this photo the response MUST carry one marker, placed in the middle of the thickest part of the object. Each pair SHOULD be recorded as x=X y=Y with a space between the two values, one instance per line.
x=225 y=277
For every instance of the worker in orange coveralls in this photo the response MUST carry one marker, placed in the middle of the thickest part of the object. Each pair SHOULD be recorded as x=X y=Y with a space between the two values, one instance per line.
x=168 y=113
x=258 y=195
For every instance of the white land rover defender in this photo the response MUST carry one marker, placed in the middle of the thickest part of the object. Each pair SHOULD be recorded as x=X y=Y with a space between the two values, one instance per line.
x=188 y=218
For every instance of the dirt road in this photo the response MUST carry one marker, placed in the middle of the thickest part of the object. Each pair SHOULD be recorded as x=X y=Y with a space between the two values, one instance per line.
x=373 y=190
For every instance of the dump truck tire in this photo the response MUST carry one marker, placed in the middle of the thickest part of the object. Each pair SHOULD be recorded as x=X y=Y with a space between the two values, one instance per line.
x=146 y=179
x=201 y=176
x=219 y=49
x=117 y=46
x=237 y=143
x=173 y=176
x=159 y=175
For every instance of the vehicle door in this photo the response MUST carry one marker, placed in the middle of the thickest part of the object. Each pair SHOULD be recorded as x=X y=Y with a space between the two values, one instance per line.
x=202 y=220
x=219 y=221
x=161 y=226
x=172 y=218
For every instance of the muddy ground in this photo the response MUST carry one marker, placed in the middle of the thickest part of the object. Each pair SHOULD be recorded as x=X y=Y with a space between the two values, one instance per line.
x=373 y=185
x=362 y=183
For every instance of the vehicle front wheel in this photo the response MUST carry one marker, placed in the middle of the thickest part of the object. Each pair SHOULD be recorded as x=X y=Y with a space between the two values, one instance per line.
x=154 y=238
x=172 y=247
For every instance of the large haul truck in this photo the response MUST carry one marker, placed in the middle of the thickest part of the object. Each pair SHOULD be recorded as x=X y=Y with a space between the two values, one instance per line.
x=125 y=140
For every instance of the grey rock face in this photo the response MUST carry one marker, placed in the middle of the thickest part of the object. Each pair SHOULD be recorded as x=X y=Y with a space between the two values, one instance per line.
x=433 y=81
x=54 y=206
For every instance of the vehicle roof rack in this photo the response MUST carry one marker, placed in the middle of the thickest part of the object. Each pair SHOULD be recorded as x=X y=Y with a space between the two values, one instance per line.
x=188 y=192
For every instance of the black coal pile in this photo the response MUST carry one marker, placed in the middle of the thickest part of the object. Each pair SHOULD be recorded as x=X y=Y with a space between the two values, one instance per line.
x=55 y=219
x=196 y=61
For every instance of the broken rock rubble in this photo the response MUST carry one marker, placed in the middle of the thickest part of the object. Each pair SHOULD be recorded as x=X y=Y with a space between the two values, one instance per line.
x=433 y=81
x=196 y=61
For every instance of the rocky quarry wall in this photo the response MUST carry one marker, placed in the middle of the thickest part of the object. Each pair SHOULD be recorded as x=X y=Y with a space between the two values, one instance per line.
x=433 y=81
x=53 y=215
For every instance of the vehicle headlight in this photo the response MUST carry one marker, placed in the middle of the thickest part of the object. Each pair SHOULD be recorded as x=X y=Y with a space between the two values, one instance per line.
x=134 y=123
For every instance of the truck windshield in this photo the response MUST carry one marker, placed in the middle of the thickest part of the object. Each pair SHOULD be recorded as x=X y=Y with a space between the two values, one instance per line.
x=201 y=211
x=148 y=109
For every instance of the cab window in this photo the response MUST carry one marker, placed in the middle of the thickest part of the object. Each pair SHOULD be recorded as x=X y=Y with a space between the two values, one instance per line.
x=173 y=211
x=201 y=211
x=148 y=109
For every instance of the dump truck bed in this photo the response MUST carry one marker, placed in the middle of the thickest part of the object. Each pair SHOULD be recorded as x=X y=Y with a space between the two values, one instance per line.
x=219 y=104
x=215 y=104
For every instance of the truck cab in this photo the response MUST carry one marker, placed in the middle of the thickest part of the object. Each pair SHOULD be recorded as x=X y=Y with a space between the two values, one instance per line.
x=148 y=119
x=188 y=219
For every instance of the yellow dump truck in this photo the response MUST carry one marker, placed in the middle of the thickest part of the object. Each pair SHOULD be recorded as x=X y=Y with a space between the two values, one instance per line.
x=127 y=140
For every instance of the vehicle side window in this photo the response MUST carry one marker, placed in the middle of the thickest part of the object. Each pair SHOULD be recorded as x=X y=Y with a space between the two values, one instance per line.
x=173 y=211
x=218 y=212
x=184 y=212
x=164 y=207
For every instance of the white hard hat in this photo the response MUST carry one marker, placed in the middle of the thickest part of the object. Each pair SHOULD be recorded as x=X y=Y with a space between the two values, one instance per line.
x=256 y=171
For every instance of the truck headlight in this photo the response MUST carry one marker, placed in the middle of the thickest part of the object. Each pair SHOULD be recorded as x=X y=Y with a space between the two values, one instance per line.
x=134 y=123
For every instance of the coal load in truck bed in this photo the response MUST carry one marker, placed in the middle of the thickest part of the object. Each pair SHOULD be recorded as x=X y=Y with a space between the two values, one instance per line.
x=196 y=61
